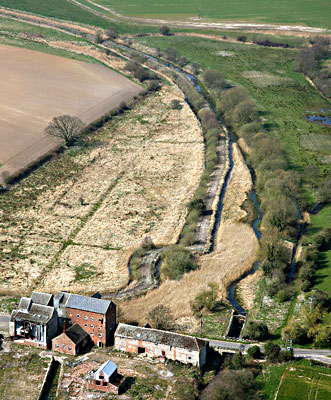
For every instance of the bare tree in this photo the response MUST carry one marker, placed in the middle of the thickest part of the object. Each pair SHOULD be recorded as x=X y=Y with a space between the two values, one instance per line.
x=65 y=127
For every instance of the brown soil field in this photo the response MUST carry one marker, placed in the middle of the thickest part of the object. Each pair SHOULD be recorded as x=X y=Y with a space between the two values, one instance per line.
x=37 y=87
x=235 y=251
x=134 y=180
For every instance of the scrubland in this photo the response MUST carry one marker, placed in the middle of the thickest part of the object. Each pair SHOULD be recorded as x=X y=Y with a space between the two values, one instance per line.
x=235 y=251
x=87 y=210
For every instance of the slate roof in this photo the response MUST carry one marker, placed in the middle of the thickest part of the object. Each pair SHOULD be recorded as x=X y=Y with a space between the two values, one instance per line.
x=160 y=337
x=38 y=313
x=62 y=297
x=76 y=333
x=25 y=304
x=91 y=304
x=42 y=298
x=108 y=368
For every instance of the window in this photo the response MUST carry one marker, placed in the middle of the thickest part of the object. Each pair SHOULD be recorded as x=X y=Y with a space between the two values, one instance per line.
x=92 y=326
x=77 y=315
x=104 y=383
x=100 y=335
x=97 y=383
x=69 y=348
x=91 y=334
x=92 y=318
x=99 y=328
x=189 y=357
x=101 y=320
x=85 y=325
x=57 y=346
x=64 y=346
x=85 y=317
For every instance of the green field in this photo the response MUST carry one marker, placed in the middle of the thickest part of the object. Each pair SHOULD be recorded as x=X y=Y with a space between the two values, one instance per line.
x=283 y=95
x=61 y=9
x=303 y=12
x=299 y=381
x=322 y=277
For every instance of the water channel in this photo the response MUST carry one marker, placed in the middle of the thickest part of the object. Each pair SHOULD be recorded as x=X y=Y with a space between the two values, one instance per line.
x=252 y=195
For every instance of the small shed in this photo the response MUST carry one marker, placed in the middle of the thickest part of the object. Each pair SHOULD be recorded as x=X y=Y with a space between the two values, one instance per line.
x=105 y=379
x=72 y=341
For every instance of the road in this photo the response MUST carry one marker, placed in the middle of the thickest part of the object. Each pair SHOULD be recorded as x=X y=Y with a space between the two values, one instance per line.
x=4 y=322
x=322 y=355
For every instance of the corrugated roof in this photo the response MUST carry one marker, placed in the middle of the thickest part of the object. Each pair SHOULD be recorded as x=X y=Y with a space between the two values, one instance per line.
x=38 y=313
x=108 y=368
x=42 y=298
x=160 y=337
x=76 y=333
x=91 y=304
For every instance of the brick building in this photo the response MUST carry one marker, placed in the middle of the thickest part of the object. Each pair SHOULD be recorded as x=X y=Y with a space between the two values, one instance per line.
x=161 y=344
x=105 y=379
x=96 y=316
x=72 y=341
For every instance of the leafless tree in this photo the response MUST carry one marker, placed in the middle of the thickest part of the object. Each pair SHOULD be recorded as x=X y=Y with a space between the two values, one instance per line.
x=65 y=127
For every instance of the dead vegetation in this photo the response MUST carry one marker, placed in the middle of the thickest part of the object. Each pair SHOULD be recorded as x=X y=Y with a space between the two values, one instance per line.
x=133 y=180
x=235 y=250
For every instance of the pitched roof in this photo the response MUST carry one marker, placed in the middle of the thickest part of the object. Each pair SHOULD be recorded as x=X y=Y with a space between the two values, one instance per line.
x=160 y=337
x=38 y=313
x=42 y=298
x=108 y=368
x=76 y=333
x=25 y=304
x=86 y=303
x=62 y=297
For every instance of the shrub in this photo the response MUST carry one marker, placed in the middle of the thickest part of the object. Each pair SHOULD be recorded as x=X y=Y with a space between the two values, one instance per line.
x=245 y=112
x=254 y=352
x=164 y=30
x=161 y=318
x=213 y=79
x=111 y=33
x=171 y=54
x=230 y=99
x=272 y=352
x=176 y=104
x=177 y=261
x=242 y=38
x=206 y=299
x=256 y=331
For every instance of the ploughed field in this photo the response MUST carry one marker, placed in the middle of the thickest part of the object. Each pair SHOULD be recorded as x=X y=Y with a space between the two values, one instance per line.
x=36 y=87
x=73 y=223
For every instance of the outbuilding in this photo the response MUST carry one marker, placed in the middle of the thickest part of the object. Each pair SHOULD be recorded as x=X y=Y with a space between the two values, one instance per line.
x=72 y=341
x=105 y=379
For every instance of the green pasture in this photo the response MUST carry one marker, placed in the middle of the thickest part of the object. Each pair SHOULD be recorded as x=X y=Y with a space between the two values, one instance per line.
x=62 y=9
x=303 y=12
x=318 y=222
x=18 y=27
x=320 y=143
x=283 y=95
x=295 y=381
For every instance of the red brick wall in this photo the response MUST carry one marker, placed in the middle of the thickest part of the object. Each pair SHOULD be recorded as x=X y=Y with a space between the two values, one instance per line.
x=91 y=385
x=94 y=327
x=63 y=340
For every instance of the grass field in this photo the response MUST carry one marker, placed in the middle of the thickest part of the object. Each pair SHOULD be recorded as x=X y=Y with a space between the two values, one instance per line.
x=62 y=9
x=282 y=94
x=304 y=12
x=322 y=277
x=296 y=382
